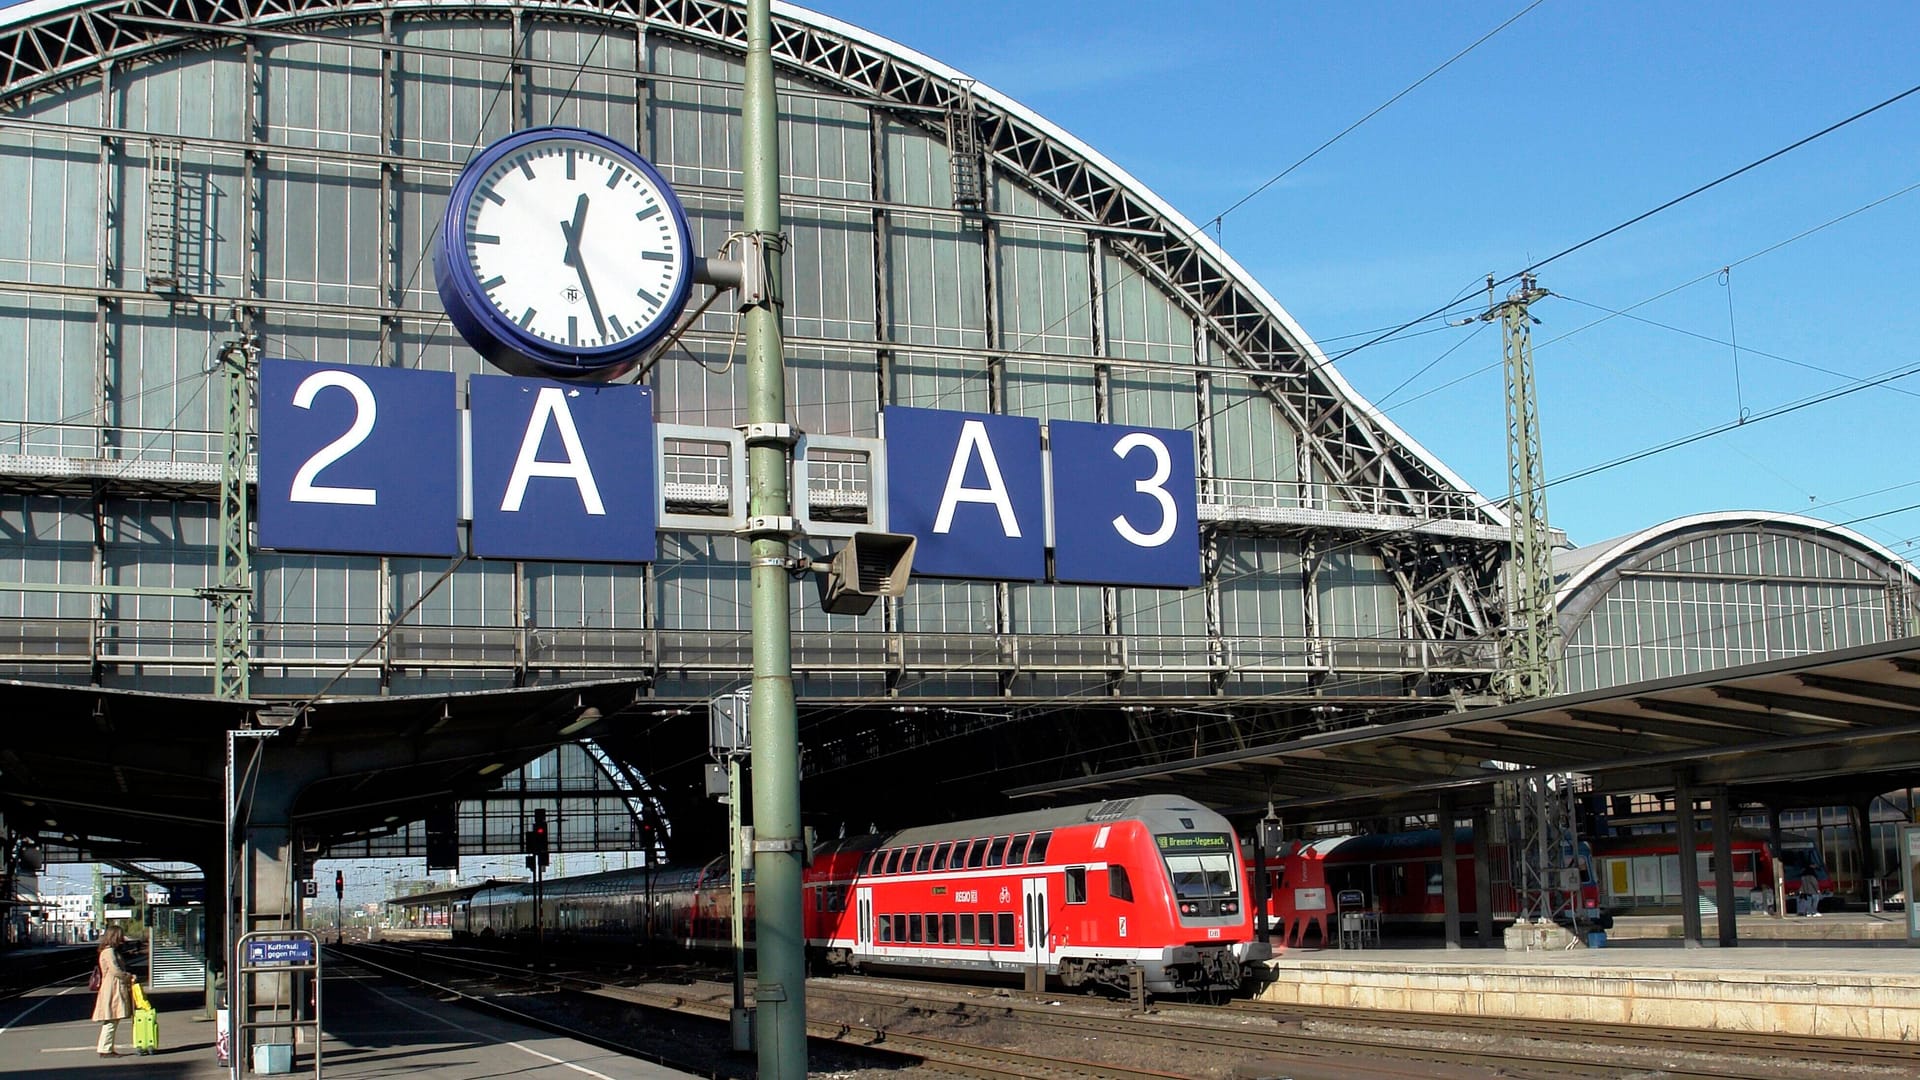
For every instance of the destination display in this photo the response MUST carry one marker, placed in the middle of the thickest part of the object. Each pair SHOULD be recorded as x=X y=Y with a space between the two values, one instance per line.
x=381 y=461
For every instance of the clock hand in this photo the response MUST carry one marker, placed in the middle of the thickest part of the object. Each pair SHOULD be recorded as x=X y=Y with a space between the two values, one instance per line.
x=573 y=230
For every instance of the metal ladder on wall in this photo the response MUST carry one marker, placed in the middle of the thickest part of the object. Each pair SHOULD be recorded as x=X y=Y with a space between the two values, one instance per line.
x=963 y=147
x=163 y=214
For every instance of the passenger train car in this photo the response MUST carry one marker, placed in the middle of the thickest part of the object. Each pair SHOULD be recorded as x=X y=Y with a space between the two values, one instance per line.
x=1086 y=893
x=1398 y=875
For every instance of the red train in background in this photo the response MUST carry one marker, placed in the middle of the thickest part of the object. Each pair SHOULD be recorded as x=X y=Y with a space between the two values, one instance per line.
x=1398 y=876
x=1087 y=893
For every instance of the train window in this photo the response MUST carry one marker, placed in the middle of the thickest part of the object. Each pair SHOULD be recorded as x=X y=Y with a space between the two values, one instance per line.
x=1006 y=928
x=940 y=853
x=893 y=861
x=886 y=928
x=966 y=928
x=986 y=929
x=946 y=929
x=874 y=859
x=1076 y=884
x=1118 y=886
x=922 y=860
x=1038 y=852
x=977 y=854
x=997 y=851
x=900 y=928
x=913 y=928
x=1017 y=853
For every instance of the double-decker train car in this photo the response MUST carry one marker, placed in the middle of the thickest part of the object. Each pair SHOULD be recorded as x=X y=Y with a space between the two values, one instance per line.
x=1399 y=875
x=1086 y=893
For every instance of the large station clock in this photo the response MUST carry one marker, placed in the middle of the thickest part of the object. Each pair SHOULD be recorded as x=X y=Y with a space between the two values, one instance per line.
x=563 y=254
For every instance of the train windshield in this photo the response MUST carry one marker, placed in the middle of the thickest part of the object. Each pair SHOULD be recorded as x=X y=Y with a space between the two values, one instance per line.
x=1200 y=864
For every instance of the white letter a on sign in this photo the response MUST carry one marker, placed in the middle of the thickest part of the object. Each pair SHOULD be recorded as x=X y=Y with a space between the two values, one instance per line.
x=973 y=440
x=551 y=405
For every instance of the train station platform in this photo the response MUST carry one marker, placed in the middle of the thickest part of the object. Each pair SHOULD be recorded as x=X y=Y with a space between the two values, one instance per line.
x=374 y=1027
x=1818 y=982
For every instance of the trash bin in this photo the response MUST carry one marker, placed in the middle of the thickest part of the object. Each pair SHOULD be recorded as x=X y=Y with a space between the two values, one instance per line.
x=273 y=1057
x=1596 y=939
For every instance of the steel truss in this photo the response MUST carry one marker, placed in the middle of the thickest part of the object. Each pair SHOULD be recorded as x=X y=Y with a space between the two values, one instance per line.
x=1352 y=459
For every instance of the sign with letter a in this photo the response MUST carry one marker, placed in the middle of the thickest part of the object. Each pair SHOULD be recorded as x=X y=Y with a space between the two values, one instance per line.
x=969 y=486
x=562 y=470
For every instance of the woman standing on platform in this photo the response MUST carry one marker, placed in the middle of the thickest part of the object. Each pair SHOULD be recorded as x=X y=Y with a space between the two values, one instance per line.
x=114 y=1001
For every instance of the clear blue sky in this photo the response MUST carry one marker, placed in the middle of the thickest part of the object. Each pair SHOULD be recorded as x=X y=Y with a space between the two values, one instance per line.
x=1575 y=118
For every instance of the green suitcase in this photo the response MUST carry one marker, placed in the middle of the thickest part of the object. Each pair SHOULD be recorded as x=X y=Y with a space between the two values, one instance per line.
x=146 y=1031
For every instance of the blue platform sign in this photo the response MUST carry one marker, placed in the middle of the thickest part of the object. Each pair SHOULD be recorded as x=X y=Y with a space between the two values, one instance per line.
x=269 y=951
x=1124 y=505
x=358 y=459
x=968 y=485
x=563 y=470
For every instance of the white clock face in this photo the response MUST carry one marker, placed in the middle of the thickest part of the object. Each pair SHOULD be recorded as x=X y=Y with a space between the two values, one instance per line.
x=573 y=244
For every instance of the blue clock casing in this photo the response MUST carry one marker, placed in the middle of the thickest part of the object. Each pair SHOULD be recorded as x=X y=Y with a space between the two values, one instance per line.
x=563 y=254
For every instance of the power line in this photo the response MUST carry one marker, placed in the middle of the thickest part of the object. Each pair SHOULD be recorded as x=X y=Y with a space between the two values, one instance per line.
x=1219 y=218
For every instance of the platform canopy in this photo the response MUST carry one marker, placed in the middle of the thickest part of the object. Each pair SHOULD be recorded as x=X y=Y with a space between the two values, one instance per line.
x=1817 y=728
x=115 y=773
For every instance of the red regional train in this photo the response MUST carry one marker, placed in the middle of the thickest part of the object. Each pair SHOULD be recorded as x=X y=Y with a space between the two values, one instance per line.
x=1088 y=893
x=1399 y=876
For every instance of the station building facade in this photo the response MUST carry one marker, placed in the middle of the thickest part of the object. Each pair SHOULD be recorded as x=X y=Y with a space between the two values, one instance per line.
x=191 y=173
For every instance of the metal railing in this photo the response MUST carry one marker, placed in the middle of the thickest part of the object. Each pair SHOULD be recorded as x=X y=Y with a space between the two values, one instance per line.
x=299 y=647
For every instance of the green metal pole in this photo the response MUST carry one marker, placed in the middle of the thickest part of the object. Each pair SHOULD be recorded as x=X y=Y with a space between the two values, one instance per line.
x=780 y=997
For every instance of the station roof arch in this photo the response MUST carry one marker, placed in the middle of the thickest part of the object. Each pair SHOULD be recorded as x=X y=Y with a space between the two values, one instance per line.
x=45 y=44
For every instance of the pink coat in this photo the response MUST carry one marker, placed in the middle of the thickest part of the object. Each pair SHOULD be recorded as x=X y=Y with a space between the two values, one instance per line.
x=115 y=999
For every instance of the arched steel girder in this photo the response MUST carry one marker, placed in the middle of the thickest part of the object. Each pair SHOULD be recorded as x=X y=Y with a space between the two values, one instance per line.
x=1353 y=449
x=54 y=44
x=643 y=802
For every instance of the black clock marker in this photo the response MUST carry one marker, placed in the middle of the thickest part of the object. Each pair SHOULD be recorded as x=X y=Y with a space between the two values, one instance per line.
x=526 y=319
x=573 y=329
x=647 y=213
x=482 y=238
x=493 y=283
x=614 y=180
x=569 y=163
x=494 y=195
x=526 y=166
x=618 y=330
x=657 y=256
x=647 y=296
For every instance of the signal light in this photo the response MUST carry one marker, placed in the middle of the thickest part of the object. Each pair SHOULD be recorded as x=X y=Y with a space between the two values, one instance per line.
x=339 y=885
x=537 y=846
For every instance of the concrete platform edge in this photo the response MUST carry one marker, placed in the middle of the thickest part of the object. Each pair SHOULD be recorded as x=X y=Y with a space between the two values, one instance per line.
x=1856 y=1005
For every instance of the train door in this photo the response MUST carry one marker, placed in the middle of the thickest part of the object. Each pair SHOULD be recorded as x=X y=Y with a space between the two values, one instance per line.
x=1033 y=892
x=863 y=920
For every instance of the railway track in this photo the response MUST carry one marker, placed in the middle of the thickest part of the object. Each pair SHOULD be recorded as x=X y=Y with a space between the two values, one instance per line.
x=917 y=1019
x=29 y=970
x=713 y=1001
